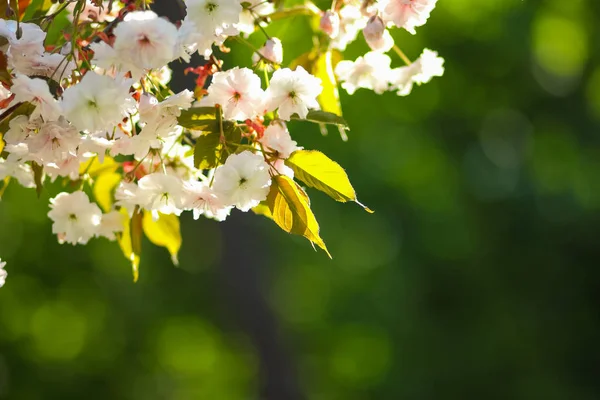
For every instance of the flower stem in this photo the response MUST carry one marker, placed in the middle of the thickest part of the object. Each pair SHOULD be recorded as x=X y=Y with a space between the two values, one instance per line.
x=402 y=55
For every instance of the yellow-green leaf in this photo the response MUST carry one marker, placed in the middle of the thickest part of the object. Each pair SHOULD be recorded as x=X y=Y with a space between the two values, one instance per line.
x=104 y=186
x=130 y=240
x=198 y=118
x=320 y=172
x=207 y=150
x=329 y=99
x=263 y=209
x=93 y=167
x=164 y=232
x=290 y=210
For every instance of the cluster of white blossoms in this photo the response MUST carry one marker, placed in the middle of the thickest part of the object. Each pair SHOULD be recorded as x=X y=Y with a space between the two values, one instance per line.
x=94 y=110
x=373 y=70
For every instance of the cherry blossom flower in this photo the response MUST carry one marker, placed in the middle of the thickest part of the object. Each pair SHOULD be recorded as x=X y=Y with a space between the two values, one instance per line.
x=272 y=51
x=238 y=91
x=421 y=71
x=277 y=138
x=97 y=103
x=330 y=23
x=54 y=141
x=160 y=193
x=145 y=40
x=352 y=21
x=243 y=181
x=75 y=218
x=293 y=92
x=376 y=36
x=202 y=200
x=213 y=16
x=37 y=92
x=408 y=14
x=372 y=71
x=3 y=273
x=111 y=223
x=255 y=9
x=18 y=170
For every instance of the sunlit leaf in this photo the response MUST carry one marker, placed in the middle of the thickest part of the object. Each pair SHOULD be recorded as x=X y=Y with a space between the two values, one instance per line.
x=38 y=177
x=207 y=150
x=291 y=210
x=329 y=99
x=93 y=167
x=323 y=117
x=3 y=185
x=130 y=240
x=263 y=209
x=104 y=186
x=164 y=232
x=320 y=172
x=198 y=118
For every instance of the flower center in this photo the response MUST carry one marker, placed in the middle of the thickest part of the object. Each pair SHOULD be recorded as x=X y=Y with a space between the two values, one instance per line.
x=72 y=217
x=210 y=7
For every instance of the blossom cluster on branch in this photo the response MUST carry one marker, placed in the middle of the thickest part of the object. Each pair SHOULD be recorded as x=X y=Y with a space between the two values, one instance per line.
x=93 y=109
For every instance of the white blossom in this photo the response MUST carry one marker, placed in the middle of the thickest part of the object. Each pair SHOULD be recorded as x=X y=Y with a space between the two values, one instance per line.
x=145 y=40
x=97 y=102
x=421 y=71
x=111 y=223
x=202 y=200
x=243 y=181
x=213 y=16
x=3 y=273
x=54 y=141
x=369 y=72
x=37 y=92
x=160 y=193
x=408 y=14
x=277 y=138
x=293 y=92
x=76 y=220
x=238 y=91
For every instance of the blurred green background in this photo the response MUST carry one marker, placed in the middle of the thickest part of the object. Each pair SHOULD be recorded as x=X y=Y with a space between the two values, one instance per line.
x=476 y=278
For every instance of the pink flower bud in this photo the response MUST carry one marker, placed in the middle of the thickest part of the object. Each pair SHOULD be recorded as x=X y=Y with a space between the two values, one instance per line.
x=330 y=23
x=374 y=29
x=376 y=35
x=272 y=51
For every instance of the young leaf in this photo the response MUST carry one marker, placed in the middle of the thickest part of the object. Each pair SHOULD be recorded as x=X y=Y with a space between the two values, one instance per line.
x=291 y=211
x=207 y=150
x=320 y=172
x=104 y=186
x=164 y=232
x=130 y=240
x=324 y=117
x=198 y=118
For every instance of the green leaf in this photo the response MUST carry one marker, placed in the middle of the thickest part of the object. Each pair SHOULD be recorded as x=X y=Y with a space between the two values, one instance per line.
x=38 y=177
x=320 y=172
x=207 y=150
x=323 y=117
x=164 y=232
x=290 y=209
x=126 y=240
x=198 y=119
